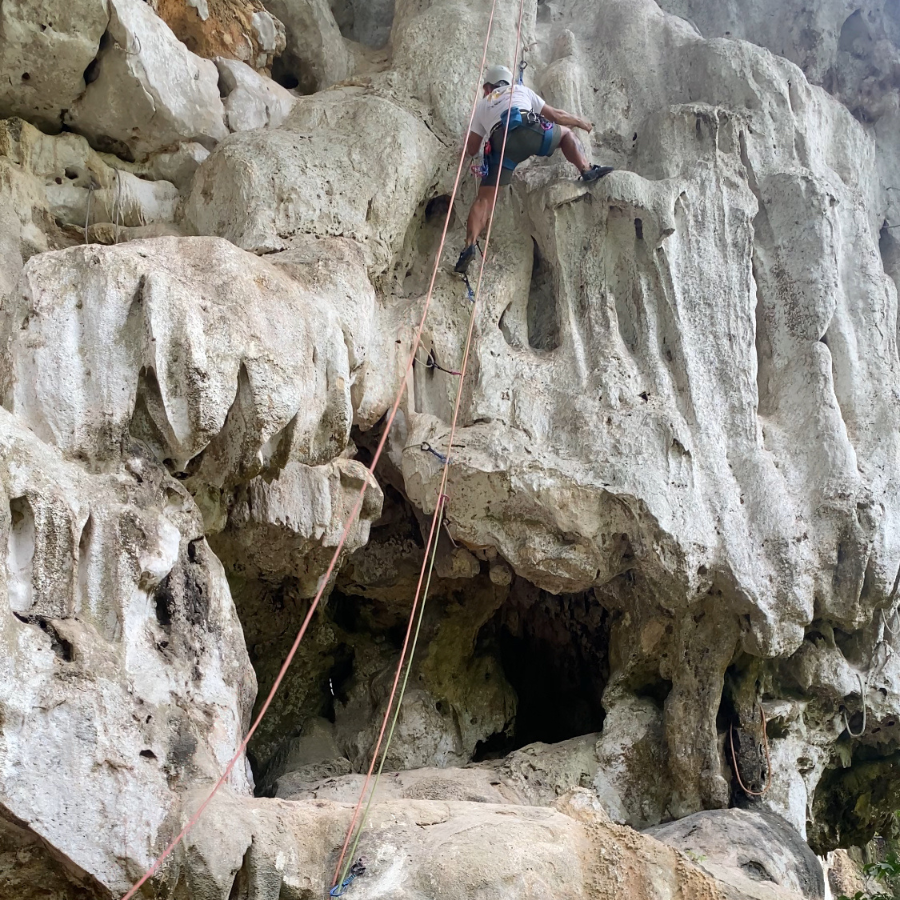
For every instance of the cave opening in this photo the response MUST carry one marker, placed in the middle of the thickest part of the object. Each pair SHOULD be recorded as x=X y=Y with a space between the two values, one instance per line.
x=543 y=310
x=554 y=652
x=283 y=73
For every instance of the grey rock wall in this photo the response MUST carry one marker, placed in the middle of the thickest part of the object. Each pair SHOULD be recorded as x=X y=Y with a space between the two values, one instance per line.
x=668 y=555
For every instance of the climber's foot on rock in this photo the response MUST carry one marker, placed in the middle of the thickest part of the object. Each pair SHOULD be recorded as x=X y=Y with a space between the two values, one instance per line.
x=595 y=173
x=465 y=260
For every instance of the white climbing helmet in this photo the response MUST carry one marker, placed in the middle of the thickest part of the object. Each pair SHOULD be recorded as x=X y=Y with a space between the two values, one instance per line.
x=496 y=74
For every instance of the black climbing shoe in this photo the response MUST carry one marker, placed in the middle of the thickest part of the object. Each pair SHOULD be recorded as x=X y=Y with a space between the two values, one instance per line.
x=595 y=173
x=465 y=260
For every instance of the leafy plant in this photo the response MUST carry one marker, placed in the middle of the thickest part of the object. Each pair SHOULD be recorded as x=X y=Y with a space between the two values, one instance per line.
x=884 y=870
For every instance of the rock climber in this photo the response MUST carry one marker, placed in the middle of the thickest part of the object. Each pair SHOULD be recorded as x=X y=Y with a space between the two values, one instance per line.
x=535 y=129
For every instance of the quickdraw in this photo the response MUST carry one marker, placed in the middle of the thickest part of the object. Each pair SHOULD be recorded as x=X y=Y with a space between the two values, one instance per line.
x=470 y=292
x=358 y=868
x=432 y=363
x=427 y=448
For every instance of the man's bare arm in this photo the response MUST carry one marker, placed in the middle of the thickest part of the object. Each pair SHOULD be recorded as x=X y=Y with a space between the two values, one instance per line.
x=561 y=117
x=473 y=144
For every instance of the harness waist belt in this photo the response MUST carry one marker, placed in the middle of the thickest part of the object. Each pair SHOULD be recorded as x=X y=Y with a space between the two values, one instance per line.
x=517 y=119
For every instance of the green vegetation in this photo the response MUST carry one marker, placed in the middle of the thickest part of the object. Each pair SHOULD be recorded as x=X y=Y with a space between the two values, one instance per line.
x=885 y=872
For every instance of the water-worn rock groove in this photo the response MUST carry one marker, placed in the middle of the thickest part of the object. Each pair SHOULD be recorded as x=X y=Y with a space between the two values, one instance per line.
x=673 y=496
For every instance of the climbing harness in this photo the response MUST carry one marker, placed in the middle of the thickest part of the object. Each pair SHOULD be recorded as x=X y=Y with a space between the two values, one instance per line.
x=510 y=120
x=737 y=771
x=427 y=448
x=863 y=687
x=354 y=833
x=351 y=518
x=358 y=868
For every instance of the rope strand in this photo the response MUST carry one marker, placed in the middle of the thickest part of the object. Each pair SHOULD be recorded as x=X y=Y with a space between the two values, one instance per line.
x=350 y=519
x=737 y=771
x=87 y=218
x=428 y=563
x=397 y=709
x=863 y=687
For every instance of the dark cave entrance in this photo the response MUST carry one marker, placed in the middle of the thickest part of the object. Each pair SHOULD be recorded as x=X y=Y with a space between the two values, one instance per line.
x=554 y=653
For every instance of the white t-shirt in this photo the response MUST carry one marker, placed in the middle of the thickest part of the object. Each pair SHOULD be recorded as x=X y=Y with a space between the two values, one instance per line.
x=492 y=107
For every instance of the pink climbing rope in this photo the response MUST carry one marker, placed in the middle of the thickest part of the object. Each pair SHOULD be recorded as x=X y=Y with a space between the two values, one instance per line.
x=350 y=520
x=442 y=496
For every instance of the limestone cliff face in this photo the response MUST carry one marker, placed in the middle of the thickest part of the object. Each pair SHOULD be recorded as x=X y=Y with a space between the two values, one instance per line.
x=673 y=503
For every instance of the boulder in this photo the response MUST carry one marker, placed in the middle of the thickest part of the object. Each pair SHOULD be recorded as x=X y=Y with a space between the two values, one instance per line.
x=288 y=526
x=251 y=100
x=321 y=173
x=125 y=674
x=599 y=319
x=366 y=21
x=147 y=91
x=450 y=849
x=178 y=165
x=748 y=851
x=48 y=47
x=149 y=319
x=673 y=489
x=311 y=757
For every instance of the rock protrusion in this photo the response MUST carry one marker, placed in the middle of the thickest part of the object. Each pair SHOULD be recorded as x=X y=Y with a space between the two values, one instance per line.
x=147 y=90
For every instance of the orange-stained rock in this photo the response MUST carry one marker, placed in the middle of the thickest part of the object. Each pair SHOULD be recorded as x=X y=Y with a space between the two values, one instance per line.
x=236 y=29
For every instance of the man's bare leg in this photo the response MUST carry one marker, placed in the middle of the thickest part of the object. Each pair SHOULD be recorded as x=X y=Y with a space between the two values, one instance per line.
x=479 y=214
x=475 y=225
x=573 y=151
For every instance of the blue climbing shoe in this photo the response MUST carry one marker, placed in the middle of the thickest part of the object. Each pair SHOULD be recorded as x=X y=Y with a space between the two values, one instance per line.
x=465 y=260
x=595 y=173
